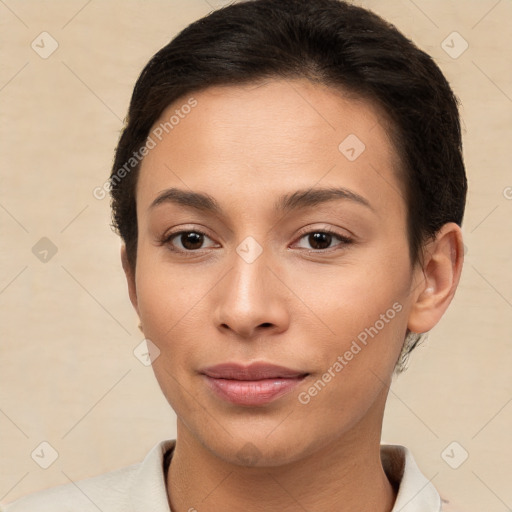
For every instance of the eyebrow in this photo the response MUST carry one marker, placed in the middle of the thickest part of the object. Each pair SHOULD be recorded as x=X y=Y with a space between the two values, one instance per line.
x=300 y=199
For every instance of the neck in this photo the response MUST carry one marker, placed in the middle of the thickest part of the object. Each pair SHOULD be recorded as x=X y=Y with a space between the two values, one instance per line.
x=345 y=475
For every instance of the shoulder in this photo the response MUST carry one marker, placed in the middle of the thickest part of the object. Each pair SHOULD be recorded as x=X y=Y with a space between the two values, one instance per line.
x=116 y=491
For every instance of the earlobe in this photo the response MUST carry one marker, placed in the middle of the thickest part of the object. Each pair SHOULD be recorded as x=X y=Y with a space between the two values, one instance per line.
x=439 y=278
x=129 y=272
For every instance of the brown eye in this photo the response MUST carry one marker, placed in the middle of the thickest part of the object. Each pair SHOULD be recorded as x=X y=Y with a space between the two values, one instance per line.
x=320 y=240
x=191 y=240
x=186 y=241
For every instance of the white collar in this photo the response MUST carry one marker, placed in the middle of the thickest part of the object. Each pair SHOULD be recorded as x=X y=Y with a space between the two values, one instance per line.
x=415 y=492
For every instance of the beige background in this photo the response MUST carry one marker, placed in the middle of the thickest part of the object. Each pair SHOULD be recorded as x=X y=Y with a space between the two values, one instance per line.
x=68 y=375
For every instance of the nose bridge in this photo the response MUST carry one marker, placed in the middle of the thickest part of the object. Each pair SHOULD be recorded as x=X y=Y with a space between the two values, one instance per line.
x=248 y=285
x=249 y=295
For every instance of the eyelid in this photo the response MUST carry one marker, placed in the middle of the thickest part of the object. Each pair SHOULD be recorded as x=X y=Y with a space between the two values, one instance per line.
x=323 y=229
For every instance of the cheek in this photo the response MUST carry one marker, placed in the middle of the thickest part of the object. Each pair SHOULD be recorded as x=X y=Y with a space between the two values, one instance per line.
x=363 y=313
x=168 y=311
x=352 y=296
x=170 y=302
x=366 y=319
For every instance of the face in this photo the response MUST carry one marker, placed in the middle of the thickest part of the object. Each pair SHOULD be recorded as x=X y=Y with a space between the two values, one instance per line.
x=294 y=255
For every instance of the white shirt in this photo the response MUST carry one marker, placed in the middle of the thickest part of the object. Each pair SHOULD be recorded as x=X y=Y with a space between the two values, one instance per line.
x=142 y=488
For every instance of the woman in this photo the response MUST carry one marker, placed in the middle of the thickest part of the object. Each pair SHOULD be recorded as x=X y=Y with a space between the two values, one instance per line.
x=289 y=188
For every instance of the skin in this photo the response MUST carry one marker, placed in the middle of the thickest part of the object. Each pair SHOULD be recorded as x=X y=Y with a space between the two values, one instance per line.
x=293 y=306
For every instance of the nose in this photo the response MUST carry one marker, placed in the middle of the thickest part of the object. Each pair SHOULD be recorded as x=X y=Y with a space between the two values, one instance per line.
x=251 y=300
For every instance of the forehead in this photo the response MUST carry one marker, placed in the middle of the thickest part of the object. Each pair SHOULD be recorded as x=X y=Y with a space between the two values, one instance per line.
x=271 y=135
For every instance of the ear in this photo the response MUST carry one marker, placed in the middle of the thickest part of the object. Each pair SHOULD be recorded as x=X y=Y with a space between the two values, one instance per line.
x=129 y=272
x=437 y=279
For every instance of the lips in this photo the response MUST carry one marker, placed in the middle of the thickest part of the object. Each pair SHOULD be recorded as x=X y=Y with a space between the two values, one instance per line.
x=256 y=384
x=255 y=371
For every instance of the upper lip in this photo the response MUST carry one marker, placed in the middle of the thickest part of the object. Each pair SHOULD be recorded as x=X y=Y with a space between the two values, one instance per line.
x=254 y=371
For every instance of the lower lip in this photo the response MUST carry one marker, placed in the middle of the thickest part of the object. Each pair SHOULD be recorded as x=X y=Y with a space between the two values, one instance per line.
x=252 y=392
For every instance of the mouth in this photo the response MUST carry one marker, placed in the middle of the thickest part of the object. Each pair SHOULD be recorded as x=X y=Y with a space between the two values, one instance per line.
x=256 y=384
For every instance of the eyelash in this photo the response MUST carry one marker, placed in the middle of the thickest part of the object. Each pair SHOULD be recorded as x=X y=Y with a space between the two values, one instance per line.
x=344 y=240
